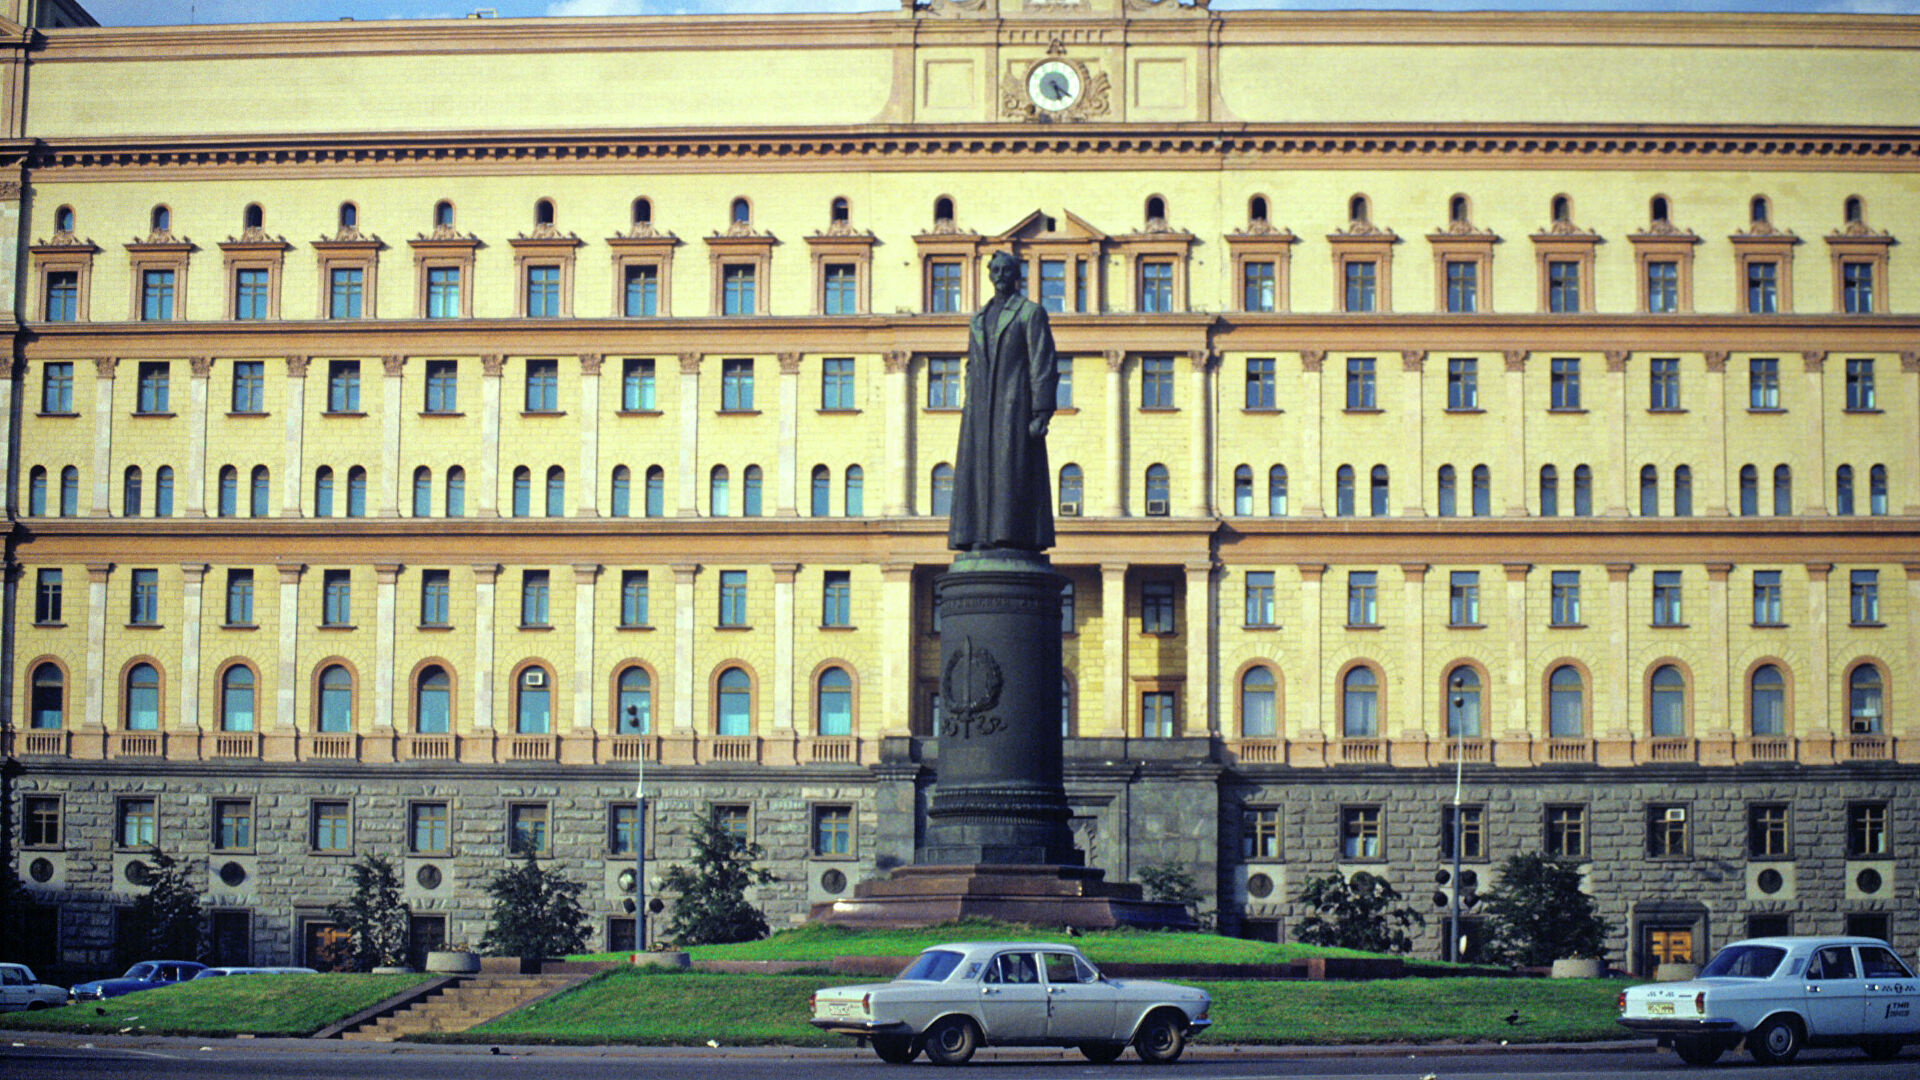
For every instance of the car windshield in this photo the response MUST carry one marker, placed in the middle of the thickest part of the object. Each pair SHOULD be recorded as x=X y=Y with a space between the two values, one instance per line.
x=139 y=971
x=931 y=966
x=1744 y=962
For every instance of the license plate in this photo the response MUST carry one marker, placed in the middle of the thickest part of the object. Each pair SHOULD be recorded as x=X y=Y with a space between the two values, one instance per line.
x=841 y=1010
x=1659 y=1008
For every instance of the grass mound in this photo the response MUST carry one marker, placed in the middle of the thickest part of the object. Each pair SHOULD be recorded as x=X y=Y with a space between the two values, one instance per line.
x=264 y=1005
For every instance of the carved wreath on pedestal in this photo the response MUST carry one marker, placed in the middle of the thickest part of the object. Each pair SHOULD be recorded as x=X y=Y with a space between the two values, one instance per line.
x=970 y=687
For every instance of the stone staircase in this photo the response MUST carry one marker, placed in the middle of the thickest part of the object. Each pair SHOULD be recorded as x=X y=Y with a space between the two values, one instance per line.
x=462 y=1004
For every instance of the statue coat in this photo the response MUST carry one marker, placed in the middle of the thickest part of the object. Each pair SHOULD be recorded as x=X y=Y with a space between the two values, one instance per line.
x=1002 y=487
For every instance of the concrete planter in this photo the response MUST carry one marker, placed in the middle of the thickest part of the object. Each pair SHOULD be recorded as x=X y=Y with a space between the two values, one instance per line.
x=662 y=959
x=1579 y=969
x=1675 y=972
x=453 y=963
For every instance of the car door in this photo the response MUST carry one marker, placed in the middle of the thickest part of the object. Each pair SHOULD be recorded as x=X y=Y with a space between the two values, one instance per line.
x=1892 y=999
x=13 y=987
x=1080 y=1007
x=1835 y=993
x=1013 y=1000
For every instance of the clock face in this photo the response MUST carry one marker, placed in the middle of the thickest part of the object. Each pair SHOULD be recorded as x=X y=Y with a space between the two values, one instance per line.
x=1054 y=85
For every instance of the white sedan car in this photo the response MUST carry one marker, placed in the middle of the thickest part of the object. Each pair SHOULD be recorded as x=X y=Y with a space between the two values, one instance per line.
x=954 y=999
x=19 y=989
x=1782 y=994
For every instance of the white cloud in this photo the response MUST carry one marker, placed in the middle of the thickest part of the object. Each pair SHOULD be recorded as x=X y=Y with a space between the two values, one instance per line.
x=596 y=7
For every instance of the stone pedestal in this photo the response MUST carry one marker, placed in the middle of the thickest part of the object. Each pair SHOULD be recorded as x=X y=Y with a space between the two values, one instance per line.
x=1038 y=895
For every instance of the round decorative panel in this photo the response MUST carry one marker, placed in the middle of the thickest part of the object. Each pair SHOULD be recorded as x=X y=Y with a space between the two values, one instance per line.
x=1259 y=886
x=428 y=876
x=40 y=870
x=233 y=875
x=1868 y=881
x=138 y=873
x=833 y=881
x=1769 y=881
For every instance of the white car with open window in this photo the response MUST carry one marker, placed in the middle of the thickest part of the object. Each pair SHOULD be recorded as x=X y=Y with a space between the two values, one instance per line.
x=1781 y=994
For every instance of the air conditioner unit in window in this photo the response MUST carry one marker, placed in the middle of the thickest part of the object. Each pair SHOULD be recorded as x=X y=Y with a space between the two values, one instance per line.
x=1862 y=725
x=1674 y=813
x=1070 y=508
x=1156 y=508
x=535 y=677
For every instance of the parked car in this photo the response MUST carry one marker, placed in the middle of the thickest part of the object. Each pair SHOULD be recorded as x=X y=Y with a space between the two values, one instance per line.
x=145 y=975
x=223 y=972
x=1781 y=994
x=20 y=989
x=954 y=999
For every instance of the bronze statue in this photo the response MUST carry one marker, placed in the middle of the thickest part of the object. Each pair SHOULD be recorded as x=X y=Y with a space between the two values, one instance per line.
x=1002 y=487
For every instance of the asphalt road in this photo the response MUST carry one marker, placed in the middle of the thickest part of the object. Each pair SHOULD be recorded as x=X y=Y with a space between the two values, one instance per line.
x=38 y=1057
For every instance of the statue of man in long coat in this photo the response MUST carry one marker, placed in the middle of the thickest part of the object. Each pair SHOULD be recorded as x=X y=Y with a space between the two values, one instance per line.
x=1002 y=487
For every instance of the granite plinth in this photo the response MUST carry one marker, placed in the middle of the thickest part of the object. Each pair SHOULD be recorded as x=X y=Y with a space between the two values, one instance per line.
x=1037 y=895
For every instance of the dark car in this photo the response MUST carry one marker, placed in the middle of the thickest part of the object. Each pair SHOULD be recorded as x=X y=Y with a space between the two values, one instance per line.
x=145 y=975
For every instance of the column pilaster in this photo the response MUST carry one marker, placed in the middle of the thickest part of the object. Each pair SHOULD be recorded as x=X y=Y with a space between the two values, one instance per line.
x=585 y=576
x=1413 y=721
x=1813 y=724
x=1616 y=725
x=586 y=490
x=683 y=619
x=1310 y=469
x=1813 y=490
x=1712 y=710
x=783 y=629
x=1518 y=734
x=287 y=673
x=103 y=380
x=1511 y=479
x=1202 y=716
x=293 y=455
x=1413 y=363
x=896 y=648
x=689 y=455
x=1309 y=732
x=386 y=618
x=1113 y=650
x=1113 y=489
x=1622 y=492
x=193 y=577
x=98 y=574
x=1717 y=478
x=392 y=370
x=896 y=392
x=199 y=368
x=786 y=478
x=485 y=581
x=492 y=367
x=1199 y=426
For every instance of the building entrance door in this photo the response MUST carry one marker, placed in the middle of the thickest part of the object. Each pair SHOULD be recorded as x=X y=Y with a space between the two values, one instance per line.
x=325 y=946
x=1670 y=946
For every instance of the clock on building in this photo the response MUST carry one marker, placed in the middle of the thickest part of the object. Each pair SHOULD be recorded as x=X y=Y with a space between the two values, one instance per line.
x=1054 y=85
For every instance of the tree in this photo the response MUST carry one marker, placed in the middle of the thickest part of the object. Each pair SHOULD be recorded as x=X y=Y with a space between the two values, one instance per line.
x=712 y=907
x=536 y=912
x=374 y=918
x=164 y=923
x=1538 y=914
x=1356 y=913
x=1171 y=883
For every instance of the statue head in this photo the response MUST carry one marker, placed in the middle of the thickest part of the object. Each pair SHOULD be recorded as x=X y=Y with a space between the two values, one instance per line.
x=1004 y=271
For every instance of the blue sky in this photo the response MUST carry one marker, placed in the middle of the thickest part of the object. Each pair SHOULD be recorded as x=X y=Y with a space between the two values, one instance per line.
x=171 y=12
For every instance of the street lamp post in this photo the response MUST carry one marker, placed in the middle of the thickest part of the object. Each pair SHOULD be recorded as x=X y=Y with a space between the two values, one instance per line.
x=1457 y=722
x=639 y=826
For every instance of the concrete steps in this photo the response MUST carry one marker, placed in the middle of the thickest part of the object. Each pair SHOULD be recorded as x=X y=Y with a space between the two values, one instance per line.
x=461 y=1005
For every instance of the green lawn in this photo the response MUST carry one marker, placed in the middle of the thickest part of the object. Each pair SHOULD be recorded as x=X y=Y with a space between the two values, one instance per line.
x=250 y=1004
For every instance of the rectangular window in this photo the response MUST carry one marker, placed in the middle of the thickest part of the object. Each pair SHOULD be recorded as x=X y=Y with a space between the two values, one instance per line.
x=735 y=820
x=1663 y=287
x=1856 y=288
x=331 y=827
x=1564 y=384
x=1473 y=826
x=1867 y=836
x=1156 y=382
x=40 y=821
x=543 y=292
x=1363 y=598
x=1663 y=385
x=736 y=385
x=641 y=296
x=1260 y=832
x=428 y=829
x=736 y=289
x=534 y=598
x=1766 y=598
x=832 y=830
x=636 y=386
x=1156 y=714
x=1156 y=286
x=249 y=386
x=1063 y=388
x=543 y=386
x=1360 y=393
x=154 y=379
x=336 y=598
x=836 y=598
x=239 y=598
x=47 y=598
x=842 y=298
x=56 y=392
x=836 y=384
x=443 y=292
x=156 y=295
x=145 y=607
x=1260 y=384
x=1763 y=288
x=1763 y=384
x=1256 y=286
x=1360 y=832
x=1566 y=598
x=1463 y=598
x=733 y=598
x=1666 y=598
x=1260 y=598
x=1566 y=832
x=1863 y=589
x=63 y=295
x=1767 y=836
x=1860 y=394
x=633 y=598
x=343 y=386
x=1563 y=287
x=621 y=818
x=443 y=386
x=943 y=382
x=232 y=824
x=346 y=292
x=250 y=294
x=138 y=823
x=436 y=593
x=1360 y=286
x=1668 y=835
x=943 y=286
x=1156 y=607
x=526 y=828
x=1463 y=287
x=1053 y=285
x=1463 y=383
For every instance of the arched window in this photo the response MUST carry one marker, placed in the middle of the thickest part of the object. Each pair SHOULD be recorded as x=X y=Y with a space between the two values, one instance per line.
x=1877 y=491
x=37 y=491
x=522 y=491
x=1549 y=491
x=634 y=707
x=1457 y=210
x=1582 y=491
x=143 y=698
x=254 y=217
x=356 y=492
x=750 y=485
x=1843 y=491
x=1767 y=701
x=1482 y=491
x=323 y=492
x=1657 y=210
x=1158 y=491
x=161 y=219
x=533 y=701
x=543 y=212
x=839 y=211
x=69 y=492
x=556 y=491
x=229 y=498
x=1566 y=703
x=236 y=699
x=834 y=702
x=1277 y=491
x=456 y=491
x=433 y=701
x=820 y=503
x=1360 y=703
x=1243 y=490
x=719 y=492
x=942 y=503
x=258 y=491
x=1854 y=211
x=1257 y=694
x=853 y=503
x=1649 y=491
x=1156 y=208
x=1757 y=210
x=349 y=216
x=733 y=704
x=1749 y=491
x=643 y=211
x=1562 y=210
x=423 y=492
x=49 y=705
x=1682 y=491
x=1865 y=706
x=1343 y=491
x=1445 y=501
x=1782 y=491
x=1377 y=503
x=1257 y=210
x=620 y=496
x=1667 y=702
x=656 y=491
x=1357 y=208
x=336 y=699
x=129 y=492
x=163 y=491
x=741 y=213
x=1463 y=703
x=443 y=215
x=1072 y=491
x=63 y=219
x=943 y=209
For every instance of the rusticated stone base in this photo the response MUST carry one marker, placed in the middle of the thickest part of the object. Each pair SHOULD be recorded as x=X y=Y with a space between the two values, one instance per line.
x=1039 y=895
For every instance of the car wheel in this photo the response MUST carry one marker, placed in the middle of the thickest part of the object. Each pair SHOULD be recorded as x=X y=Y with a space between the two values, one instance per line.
x=1699 y=1051
x=1103 y=1053
x=1161 y=1038
x=36 y=1006
x=1776 y=1041
x=952 y=1040
x=895 y=1049
x=1883 y=1049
